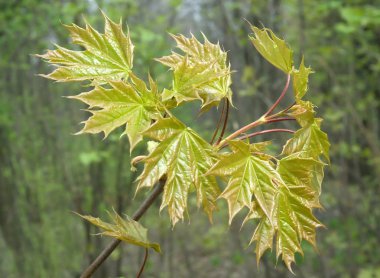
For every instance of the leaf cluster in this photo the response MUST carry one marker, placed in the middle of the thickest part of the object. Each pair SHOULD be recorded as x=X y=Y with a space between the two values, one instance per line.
x=279 y=192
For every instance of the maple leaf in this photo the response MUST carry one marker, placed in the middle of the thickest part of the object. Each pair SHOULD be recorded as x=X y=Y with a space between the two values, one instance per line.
x=303 y=112
x=249 y=175
x=106 y=57
x=201 y=73
x=127 y=230
x=310 y=140
x=185 y=158
x=301 y=80
x=295 y=221
x=131 y=104
x=273 y=49
x=292 y=219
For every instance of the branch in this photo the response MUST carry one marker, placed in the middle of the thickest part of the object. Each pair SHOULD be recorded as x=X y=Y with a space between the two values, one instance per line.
x=157 y=190
x=280 y=97
x=280 y=120
x=225 y=121
x=219 y=122
x=143 y=264
x=264 y=132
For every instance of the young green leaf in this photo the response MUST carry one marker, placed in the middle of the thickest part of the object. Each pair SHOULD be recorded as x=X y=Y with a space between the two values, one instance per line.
x=106 y=57
x=126 y=230
x=295 y=222
x=303 y=112
x=185 y=158
x=310 y=140
x=301 y=80
x=249 y=176
x=201 y=73
x=273 y=49
x=292 y=222
x=131 y=104
x=298 y=173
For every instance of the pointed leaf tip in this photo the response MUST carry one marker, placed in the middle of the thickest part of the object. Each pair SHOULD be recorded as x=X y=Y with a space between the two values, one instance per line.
x=126 y=230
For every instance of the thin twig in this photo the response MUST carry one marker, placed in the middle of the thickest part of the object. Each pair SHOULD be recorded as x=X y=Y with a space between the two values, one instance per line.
x=264 y=132
x=143 y=264
x=242 y=130
x=270 y=110
x=157 y=190
x=219 y=122
x=280 y=120
x=225 y=121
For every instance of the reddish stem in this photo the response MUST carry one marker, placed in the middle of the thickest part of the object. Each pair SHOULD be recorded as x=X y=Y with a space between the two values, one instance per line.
x=227 y=103
x=219 y=122
x=143 y=264
x=280 y=120
x=280 y=97
x=264 y=132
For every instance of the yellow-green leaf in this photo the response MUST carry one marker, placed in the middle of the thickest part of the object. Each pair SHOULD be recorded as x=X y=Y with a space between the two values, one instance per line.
x=185 y=158
x=106 y=57
x=303 y=112
x=301 y=80
x=202 y=73
x=310 y=140
x=126 y=104
x=298 y=173
x=127 y=230
x=249 y=176
x=273 y=49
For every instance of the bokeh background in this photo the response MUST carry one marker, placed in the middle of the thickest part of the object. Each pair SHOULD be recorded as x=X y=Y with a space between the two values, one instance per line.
x=46 y=172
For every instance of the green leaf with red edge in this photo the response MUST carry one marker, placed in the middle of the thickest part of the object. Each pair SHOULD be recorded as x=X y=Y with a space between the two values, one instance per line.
x=249 y=176
x=130 y=104
x=106 y=57
x=202 y=73
x=272 y=48
x=184 y=157
x=127 y=230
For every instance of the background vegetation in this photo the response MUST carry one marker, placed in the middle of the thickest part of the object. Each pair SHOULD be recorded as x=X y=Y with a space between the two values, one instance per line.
x=46 y=172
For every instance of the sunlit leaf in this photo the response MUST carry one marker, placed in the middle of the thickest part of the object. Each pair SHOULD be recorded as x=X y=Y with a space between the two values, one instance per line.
x=310 y=140
x=298 y=173
x=273 y=49
x=132 y=105
x=126 y=230
x=303 y=112
x=202 y=73
x=301 y=80
x=249 y=175
x=185 y=158
x=106 y=57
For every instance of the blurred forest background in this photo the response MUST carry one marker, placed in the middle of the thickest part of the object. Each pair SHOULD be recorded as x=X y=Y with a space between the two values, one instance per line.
x=46 y=172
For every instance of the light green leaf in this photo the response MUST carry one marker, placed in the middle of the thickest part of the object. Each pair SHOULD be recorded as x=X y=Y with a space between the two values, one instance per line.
x=185 y=158
x=201 y=73
x=301 y=80
x=273 y=49
x=298 y=173
x=106 y=57
x=249 y=176
x=303 y=112
x=127 y=230
x=263 y=237
x=295 y=222
x=310 y=140
x=130 y=104
x=292 y=222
